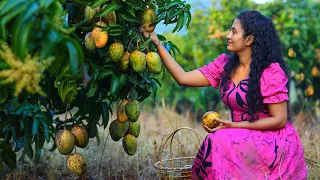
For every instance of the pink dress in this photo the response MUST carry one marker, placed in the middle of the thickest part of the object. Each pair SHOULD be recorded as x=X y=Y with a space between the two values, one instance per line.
x=250 y=154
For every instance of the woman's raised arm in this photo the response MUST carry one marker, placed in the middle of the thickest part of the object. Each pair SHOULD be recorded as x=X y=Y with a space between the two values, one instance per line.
x=192 y=78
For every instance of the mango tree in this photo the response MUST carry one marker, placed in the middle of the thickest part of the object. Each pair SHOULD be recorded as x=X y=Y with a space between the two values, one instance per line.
x=298 y=30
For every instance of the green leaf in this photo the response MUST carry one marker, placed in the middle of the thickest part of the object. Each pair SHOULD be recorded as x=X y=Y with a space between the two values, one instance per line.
x=18 y=142
x=7 y=155
x=161 y=38
x=76 y=55
x=59 y=84
x=174 y=52
x=160 y=17
x=174 y=3
x=115 y=26
x=54 y=144
x=109 y=8
x=24 y=36
x=131 y=11
x=68 y=93
x=46 y=3
x=93 y=89
x=39 y=142
x=156 y=80
x=105 y=74
x=179 y=24
x=175 y=47
x=2 y=3
x=189 y=18
x=4 y=20
x=81 y=2
x=98 y=140
x=89 y=28
x=185 y=19
x=188 y=6
x=4 y=65
x=33 y=8
x=52 y=39
x=115 y=33
x=105 y=114
x=35 y=126
x=114 y=85
x=36 y=109
x=174 y=14
x=168 y=17
x=171 y=4
x=154 y=90
x=93 y=119
x=9 y=5
x=28 y=140
x=133 y=80
x=3 y=94
x=97 y=3
x=115 y=30
x=21 y=35
x=130 y=18
x=46 y=124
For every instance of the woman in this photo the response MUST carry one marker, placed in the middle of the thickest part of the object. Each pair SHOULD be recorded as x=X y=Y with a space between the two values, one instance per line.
x=258 y=142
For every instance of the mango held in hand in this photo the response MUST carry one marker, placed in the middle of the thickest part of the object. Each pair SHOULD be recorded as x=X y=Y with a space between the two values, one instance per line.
x=65 y=141
x=209 y=119
x=148 y=17
x=76 y=164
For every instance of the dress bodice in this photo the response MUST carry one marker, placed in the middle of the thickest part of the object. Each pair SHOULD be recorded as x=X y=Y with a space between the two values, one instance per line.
x=272 y=85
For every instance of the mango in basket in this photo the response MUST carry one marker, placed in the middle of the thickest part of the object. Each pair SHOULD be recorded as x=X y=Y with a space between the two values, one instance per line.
x=209 y=119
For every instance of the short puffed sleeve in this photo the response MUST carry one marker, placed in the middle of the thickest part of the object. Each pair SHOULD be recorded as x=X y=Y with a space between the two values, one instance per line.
x=273 y=84
x=213 y=70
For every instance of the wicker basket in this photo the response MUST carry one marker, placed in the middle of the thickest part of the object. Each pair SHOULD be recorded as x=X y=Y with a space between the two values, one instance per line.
x=178 y=167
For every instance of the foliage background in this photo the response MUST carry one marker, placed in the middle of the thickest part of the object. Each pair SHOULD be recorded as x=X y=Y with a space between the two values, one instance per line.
x=298 y=27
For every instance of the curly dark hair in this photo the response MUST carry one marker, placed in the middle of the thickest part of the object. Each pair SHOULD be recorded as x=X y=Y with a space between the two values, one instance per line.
x=265 y=50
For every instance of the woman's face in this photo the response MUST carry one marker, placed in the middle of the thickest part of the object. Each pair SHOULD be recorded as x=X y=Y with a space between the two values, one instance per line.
x=235 y=38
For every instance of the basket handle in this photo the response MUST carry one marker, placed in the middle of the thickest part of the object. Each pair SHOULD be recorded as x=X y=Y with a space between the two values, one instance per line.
x=172 y=135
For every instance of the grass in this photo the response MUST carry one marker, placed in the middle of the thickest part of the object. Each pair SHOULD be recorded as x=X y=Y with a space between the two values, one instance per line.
x=157 y=124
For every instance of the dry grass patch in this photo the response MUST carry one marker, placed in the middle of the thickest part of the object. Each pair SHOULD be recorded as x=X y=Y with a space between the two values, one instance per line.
x=157 y=124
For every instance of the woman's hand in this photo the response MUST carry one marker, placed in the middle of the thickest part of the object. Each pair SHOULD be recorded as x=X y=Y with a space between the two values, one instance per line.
x=224 y=124
x=153 y=36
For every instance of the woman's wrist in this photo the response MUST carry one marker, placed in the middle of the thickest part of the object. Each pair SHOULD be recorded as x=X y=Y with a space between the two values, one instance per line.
x=242 y=124
x=157 y=42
